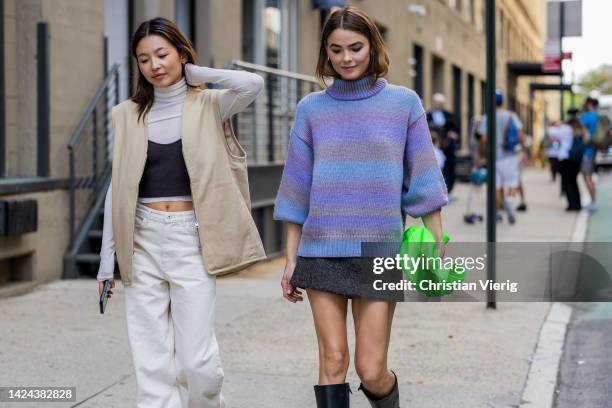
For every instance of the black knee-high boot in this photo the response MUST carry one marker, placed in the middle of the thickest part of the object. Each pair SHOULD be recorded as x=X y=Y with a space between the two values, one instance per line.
x=390 y=400
x=333 y=395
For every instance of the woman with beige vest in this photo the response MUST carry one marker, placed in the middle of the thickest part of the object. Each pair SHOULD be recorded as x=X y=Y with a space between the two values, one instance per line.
x=177 y=214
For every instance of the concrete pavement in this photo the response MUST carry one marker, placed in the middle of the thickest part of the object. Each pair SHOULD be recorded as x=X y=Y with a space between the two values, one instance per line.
x=445 y=354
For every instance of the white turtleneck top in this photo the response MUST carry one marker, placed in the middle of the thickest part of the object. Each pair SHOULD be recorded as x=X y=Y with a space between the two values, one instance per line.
x=164 y=126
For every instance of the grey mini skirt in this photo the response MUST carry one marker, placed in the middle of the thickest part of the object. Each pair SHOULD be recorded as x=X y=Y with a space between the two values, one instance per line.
x=347 y=276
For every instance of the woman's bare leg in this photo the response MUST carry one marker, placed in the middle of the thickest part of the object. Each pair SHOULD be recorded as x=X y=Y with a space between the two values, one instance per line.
x=590 y=184
x=329 y=314
x=373 y=319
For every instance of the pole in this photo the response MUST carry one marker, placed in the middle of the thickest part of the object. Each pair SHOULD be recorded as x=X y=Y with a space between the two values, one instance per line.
x=561 y=34
x=2 y=97
x=42 y=99
x=491 y=145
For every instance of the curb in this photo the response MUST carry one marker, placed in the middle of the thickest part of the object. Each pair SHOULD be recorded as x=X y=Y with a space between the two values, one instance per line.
x=541 y=383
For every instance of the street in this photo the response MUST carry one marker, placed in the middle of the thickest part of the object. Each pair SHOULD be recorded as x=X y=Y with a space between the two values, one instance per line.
x=586 y=364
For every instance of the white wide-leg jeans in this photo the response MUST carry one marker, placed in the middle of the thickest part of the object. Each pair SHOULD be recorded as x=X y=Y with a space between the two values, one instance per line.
x=170 y=313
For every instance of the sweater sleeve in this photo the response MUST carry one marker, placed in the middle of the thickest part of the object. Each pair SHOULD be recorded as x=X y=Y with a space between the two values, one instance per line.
x=293 y=198
x=107 y=252
x=242 y=86
x=423 y=190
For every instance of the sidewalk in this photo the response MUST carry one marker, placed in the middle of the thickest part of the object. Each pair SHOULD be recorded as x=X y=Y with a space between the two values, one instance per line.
x=445 y=354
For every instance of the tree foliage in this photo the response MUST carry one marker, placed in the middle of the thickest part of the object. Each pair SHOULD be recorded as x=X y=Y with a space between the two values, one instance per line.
x=599 y=78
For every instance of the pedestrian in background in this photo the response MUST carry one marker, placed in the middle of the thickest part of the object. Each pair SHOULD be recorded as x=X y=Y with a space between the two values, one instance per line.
x=445 y=124
x=169 y=217
x=552 y=146
x=440 y=156
x=590 y=119
x=507 y=152
x=571 y=136
x=360 y=159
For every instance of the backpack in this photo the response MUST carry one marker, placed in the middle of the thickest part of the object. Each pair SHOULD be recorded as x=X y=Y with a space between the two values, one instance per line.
x=602 y=138
x=511 y=136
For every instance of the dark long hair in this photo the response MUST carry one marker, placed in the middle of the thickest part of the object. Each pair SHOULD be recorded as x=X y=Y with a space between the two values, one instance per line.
x=167 y=29
x=578 y=129
x=353 y=19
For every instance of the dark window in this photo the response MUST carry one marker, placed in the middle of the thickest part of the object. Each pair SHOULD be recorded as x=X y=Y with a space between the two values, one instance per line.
x=437 y=68
x=418 y=70
x=502 y=29
x=457 y=95
x=483 y=97
x=248 y=30
x=273 y=26
x=185 y=11
x=470 y=99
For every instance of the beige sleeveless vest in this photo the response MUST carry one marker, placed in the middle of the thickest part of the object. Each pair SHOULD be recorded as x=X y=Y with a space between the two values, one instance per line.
x=216 y=164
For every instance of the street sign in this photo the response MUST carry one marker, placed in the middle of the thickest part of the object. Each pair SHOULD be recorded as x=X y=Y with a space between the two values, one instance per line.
x=572 y=18
x=552 y=56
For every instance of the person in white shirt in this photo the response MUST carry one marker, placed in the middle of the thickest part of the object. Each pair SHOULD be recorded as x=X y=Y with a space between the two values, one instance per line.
x=507 y=168
x=552 y=149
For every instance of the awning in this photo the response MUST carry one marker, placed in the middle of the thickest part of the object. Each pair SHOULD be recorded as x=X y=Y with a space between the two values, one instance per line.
x=529 y=69
x=549 y=87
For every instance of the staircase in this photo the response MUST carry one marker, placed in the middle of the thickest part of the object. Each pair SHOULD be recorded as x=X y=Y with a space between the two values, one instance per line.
x=89 y=152
x=87 y=258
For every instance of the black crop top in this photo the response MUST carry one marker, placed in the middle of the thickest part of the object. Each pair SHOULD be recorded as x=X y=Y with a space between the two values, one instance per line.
x=165 y=173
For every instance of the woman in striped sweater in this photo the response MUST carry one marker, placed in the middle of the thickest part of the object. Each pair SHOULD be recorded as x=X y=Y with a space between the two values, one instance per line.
x=360 y=159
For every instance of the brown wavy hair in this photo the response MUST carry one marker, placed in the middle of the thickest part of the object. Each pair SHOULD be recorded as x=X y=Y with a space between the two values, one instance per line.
x=353 y=19
x=165 y=28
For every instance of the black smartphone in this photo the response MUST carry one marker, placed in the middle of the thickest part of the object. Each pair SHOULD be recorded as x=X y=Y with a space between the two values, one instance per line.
x=104 y=296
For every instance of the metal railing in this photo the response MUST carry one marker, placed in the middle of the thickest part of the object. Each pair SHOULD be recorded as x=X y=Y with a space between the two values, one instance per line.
x=263 y=128
x=89 y=152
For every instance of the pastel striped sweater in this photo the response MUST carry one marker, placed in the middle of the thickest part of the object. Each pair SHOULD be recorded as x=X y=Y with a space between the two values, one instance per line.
x=360 y=157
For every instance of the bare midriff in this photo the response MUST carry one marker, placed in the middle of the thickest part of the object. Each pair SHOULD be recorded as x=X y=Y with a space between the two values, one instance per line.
x=170 y=206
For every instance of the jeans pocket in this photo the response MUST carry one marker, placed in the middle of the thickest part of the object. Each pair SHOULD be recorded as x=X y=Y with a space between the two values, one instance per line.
x=190 y=231
x=139 y=221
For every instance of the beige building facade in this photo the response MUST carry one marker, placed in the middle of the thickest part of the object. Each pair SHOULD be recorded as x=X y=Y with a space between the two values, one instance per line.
x=74 y=42
x=434 y=45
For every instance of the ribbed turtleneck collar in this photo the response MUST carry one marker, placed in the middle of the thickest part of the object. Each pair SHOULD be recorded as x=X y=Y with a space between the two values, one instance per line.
x=357 y=89
x=172 y=92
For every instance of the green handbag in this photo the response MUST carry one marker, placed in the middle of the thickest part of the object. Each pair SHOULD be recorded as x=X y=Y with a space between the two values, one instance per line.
x=419 y=242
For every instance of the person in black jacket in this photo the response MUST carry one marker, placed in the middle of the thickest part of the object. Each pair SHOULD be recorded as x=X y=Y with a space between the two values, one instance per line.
x=444 y=123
